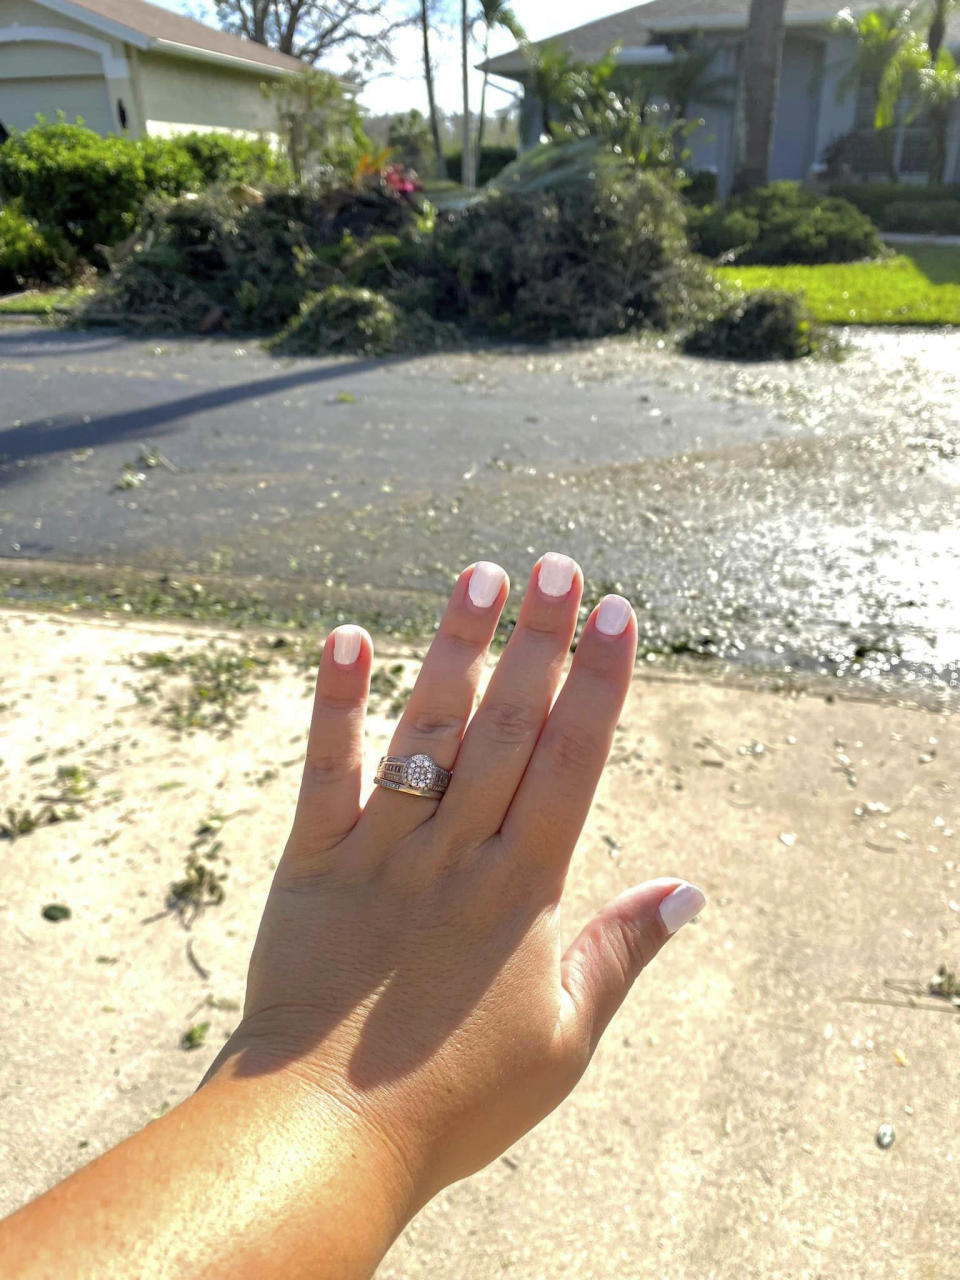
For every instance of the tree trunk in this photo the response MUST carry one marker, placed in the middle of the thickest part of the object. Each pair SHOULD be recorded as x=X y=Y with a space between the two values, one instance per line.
x=936 y=31
x=466 y=163
x=440 y=165
x=762 y=58
x=939 y=129
x=483 y=102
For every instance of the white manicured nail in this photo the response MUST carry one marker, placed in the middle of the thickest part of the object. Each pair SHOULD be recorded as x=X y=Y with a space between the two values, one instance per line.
x=346 y=645
x=485 y=583
x=556 y=574
x=613 y=615
x=679 y=908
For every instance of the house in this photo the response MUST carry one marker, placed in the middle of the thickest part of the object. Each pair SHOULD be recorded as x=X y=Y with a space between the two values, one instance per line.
x=129 y=67
x=813 y=111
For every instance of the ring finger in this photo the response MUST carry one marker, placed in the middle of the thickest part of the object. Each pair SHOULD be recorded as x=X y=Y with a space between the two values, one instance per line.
x=443 y=696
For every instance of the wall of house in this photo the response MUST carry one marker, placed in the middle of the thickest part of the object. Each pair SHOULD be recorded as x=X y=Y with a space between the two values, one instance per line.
x=836 y=113
x=180 y=94
x=48 y=72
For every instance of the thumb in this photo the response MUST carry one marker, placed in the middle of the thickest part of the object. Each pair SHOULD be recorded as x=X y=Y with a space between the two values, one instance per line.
x=600 y=965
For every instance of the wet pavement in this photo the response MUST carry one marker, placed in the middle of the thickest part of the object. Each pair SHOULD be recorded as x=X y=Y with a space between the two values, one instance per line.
x=784 y=517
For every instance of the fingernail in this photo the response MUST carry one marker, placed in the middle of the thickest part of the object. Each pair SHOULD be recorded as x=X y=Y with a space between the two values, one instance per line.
x=485 y=583
x=613 y=615
x=679 y=908
x=556 y=574
x=346 y=645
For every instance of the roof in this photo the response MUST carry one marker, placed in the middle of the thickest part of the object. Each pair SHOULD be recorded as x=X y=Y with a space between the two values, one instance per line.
x=166 y=32
x=644 y=24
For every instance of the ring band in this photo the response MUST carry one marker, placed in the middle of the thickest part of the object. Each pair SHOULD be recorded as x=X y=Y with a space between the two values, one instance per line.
x=418 y=775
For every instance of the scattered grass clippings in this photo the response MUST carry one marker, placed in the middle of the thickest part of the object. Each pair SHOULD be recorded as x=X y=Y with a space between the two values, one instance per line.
x=945 y=983
x=205 y=689
x=56 y=912
x=200 y=888
x=194 y=1037
x=22 y=821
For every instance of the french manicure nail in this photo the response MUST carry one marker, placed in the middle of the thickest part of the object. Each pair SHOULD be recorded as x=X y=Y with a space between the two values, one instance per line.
x=485 y=583
x=556 y=574
x=346 y=645
x=613 y=615
x=679 y=908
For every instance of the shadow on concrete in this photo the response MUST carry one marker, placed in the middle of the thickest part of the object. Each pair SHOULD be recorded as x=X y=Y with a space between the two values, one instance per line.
x=45 y=436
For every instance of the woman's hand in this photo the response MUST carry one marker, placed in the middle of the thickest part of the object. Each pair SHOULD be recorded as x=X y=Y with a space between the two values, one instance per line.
x=409 y=971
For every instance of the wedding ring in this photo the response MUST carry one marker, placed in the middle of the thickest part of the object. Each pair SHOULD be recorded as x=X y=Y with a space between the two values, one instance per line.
x=418 y=775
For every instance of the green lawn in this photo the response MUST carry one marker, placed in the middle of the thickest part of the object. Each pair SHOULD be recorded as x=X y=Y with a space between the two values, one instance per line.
x=921 y=285
x=37 y=302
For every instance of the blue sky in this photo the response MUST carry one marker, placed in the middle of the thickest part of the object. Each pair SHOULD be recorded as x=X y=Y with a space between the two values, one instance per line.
x=403 y=88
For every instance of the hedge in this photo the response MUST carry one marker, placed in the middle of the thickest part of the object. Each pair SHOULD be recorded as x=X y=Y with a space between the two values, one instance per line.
x=91 y=188
x=885 y=203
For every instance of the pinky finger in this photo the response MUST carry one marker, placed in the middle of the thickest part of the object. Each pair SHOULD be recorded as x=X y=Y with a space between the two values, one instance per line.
x=329 y=803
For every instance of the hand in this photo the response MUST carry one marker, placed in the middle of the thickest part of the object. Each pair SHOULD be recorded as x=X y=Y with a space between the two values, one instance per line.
x=409 y=969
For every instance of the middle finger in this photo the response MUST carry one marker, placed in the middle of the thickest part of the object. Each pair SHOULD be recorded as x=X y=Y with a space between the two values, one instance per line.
x=503 y=733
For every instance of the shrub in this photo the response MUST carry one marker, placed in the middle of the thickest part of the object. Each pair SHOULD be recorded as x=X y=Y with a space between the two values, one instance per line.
x=32 y=255
x=92 y=188
x=490 y=162
x=700 y=188
x=783 y=223
x=875 y=198
x=69 y=177
x=340 y=319
x=938 y=217
x=758 y=326
x=573 y=243
x=221 y=158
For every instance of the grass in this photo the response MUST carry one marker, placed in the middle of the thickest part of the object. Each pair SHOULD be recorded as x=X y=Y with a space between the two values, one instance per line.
x=43 y=302
x=920 y=285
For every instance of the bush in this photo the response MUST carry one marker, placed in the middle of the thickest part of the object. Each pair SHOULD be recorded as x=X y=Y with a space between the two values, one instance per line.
x=758 y=326
x=782 y=223
x=700 y=188
x=221 y=158
x=489 y=163
x=939 y=217
x=32 y=255
x=572 y=243
x=340 y=319
x=875 y=198
x=69 y=177
x=92 y=188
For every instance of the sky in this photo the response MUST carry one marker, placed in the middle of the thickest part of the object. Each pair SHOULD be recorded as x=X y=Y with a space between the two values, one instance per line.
x=402 y=87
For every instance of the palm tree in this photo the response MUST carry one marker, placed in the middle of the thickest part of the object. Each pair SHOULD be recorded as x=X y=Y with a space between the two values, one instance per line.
x=881 y=37
x=441 y=167
x=762 y=58
x=466 y=164
x=494 y=13
x=688 y=79
x=939 y=12
x=938 y=87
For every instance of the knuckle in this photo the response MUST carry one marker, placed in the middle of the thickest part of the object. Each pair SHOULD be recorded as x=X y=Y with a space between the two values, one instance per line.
x=436 y=724
x=511 y=722
x=323 y=769
x=573 y=751
x=634 y=951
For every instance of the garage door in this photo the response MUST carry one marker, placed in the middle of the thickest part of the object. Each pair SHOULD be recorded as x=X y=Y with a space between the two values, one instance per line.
x=76 y=96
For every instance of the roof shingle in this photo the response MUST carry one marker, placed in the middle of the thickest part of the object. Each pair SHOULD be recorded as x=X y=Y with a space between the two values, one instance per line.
x=160 y=24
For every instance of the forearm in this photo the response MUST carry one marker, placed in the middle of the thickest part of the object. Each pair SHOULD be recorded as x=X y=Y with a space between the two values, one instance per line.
x=250 y=1178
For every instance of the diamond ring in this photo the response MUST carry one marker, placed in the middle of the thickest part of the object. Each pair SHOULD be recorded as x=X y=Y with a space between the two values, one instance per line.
x=418 y=775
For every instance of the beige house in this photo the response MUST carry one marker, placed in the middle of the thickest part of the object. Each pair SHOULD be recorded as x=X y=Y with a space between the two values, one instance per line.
x=128 y=67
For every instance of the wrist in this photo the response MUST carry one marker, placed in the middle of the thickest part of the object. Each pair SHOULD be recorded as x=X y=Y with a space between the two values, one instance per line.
x=346 y=1153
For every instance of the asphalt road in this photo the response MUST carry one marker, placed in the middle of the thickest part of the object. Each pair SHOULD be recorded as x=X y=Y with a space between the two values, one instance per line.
x=798 y=517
